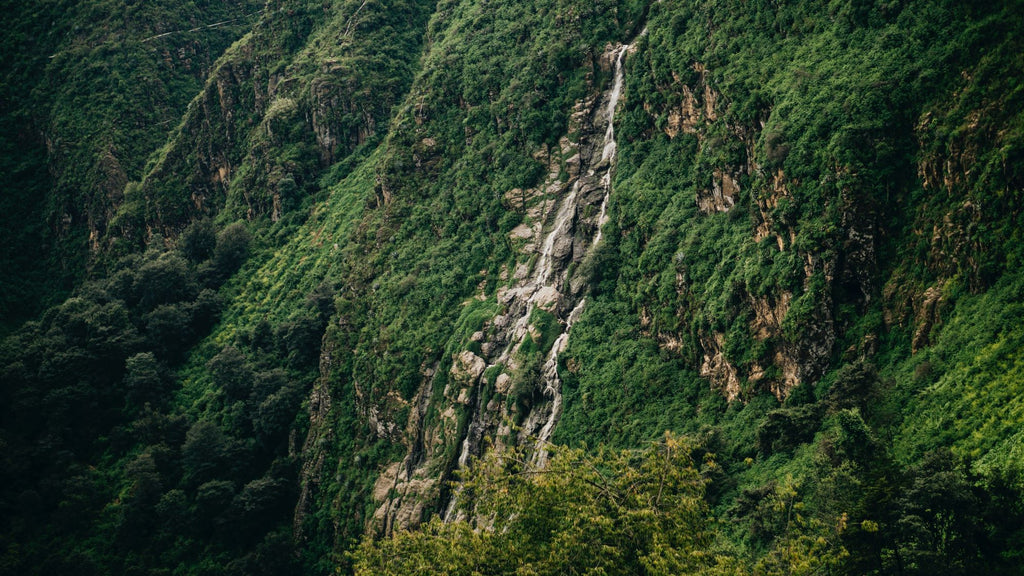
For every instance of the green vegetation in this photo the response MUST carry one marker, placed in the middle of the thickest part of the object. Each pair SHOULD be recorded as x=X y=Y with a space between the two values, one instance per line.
x=612 y=513
x=245 y=246
x=89 y=90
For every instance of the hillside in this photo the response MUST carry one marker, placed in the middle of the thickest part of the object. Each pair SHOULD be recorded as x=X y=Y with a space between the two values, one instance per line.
x=454 y=286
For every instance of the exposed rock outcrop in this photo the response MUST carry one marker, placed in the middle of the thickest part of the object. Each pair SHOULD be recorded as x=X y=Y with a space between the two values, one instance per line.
x=320 y=434
x=722 y=196
x=717 y=368
x=927 y=316
x=767 y=202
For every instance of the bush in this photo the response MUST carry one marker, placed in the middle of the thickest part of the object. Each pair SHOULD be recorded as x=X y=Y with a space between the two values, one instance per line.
x=232 y=249
x=199 y=240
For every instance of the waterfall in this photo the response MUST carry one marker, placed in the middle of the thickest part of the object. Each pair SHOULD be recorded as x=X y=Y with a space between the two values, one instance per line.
x=610 y=147
x=608 y=152
x=554 y=385
x=547 y=285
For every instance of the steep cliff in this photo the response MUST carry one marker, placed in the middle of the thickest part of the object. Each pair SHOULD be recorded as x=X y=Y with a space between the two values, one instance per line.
x=90 y=90
x=387 y=241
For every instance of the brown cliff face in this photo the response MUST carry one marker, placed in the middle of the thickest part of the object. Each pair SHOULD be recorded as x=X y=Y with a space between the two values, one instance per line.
x=700 y=116
x=967 y=195
x=722 y=195
x=732 y=156
x=714 y=366
x=767 y=202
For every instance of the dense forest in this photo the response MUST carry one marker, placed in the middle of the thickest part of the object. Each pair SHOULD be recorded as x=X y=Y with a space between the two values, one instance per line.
x=542 y=287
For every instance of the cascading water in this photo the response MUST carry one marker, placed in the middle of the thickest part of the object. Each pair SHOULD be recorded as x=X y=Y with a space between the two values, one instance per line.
x=610 y=147
x=552 y=381
x=572 y=232
x=545 y=287
x=608 y=152
x=553 y=386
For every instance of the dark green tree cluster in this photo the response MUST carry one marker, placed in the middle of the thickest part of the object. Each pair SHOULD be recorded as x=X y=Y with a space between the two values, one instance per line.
x=105 y=471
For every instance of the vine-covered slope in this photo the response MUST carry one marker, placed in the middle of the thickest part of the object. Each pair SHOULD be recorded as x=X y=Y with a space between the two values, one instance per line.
x=89 y=91
x=341 y=270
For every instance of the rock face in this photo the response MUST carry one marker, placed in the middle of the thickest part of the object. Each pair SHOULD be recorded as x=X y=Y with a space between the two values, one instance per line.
x=251 y=139
x=716 y=368
x=722 y=196
x=314 y=451
x=766 y=204
x=698 y=115
x=514 y=378
x=928 y=314
x=468 y=368
x=790 y=357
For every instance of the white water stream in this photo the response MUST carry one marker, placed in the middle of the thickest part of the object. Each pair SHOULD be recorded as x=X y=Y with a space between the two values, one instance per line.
x=610 y=146
x=553 y=383
x=544 y=286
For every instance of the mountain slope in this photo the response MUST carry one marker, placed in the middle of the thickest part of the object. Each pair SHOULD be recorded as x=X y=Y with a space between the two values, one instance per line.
x=386 y=240
x=90 y=90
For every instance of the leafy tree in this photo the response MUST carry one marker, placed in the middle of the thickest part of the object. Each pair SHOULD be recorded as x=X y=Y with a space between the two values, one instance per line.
x=785 y=428
x=232 y=249
x=164 y=279
x=276 y=412
x=854 y=386
x=301 y=337
x=321 y=300
x=213 y=497
x=145 y=487
x=173 y=510
x=231 y=373
x=199 y=240
x=205 y=311
x=143 y=381
x=206 y=453
x=258 y=503
x=169 y=330
x=939 y=528
x=612 y=513
x=803 y=545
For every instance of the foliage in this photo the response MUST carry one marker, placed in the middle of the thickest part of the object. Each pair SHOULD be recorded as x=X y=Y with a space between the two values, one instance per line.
x=608 y=513
x=330 y=212
x=89 y=90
